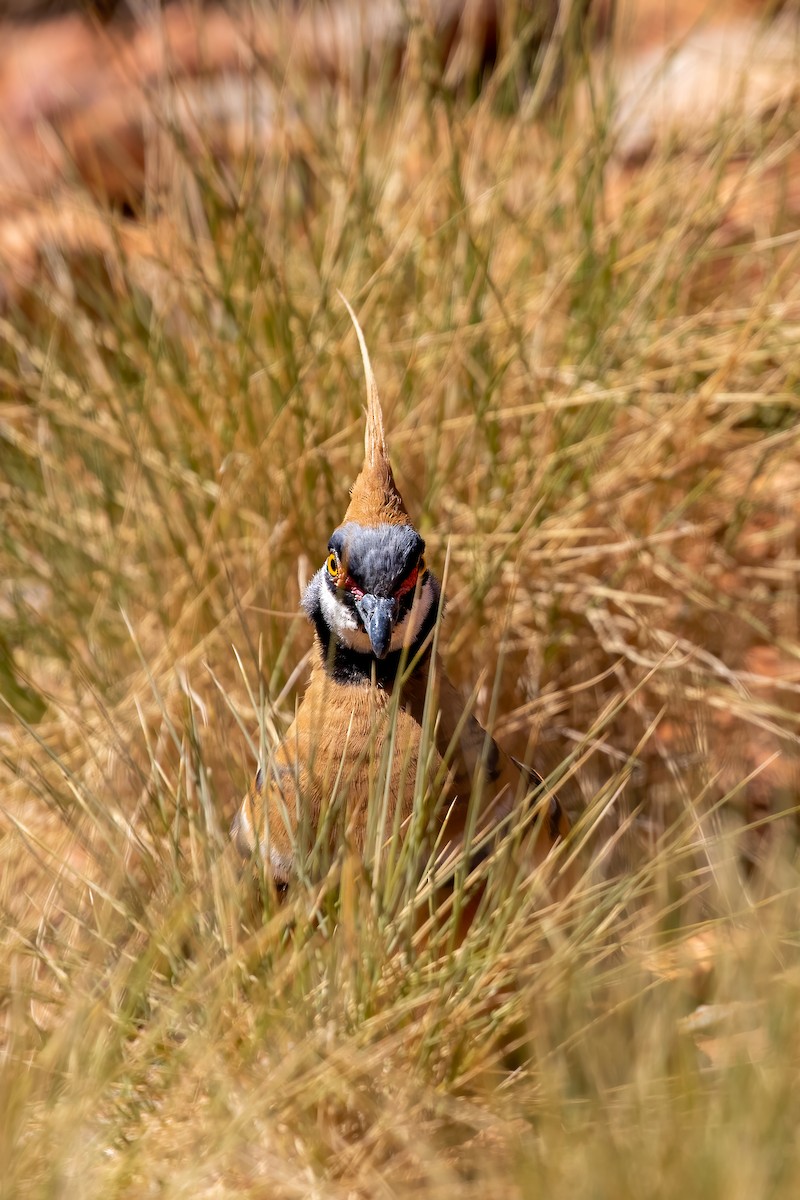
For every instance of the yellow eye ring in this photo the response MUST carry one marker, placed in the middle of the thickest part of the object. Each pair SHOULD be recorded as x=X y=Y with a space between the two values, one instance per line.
x=421 y=564
x=333 y=565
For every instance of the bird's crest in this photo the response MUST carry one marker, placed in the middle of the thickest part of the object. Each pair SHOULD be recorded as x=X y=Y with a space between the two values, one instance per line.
x=374 y=498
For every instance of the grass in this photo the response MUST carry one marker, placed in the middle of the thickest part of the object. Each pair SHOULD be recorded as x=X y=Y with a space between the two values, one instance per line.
x=589 y=376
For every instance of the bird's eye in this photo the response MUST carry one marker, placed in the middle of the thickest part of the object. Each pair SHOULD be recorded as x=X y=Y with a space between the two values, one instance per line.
x=332 y=565
x=421 y=564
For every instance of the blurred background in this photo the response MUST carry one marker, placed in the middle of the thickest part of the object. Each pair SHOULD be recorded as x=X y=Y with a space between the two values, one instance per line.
x=571 y=233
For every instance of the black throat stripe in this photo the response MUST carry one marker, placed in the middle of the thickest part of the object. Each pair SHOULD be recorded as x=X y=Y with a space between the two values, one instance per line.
x=348 y=666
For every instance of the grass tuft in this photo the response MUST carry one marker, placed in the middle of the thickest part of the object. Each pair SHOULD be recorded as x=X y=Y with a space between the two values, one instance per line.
x=589 y=376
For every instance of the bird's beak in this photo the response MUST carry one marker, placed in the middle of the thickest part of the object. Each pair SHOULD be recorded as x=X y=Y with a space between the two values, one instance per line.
x=378 y=615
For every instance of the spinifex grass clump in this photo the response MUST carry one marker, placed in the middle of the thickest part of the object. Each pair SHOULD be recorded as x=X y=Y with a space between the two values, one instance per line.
x=589 y=379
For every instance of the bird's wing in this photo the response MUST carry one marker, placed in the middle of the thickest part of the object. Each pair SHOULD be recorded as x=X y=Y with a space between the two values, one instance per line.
x=477 y=762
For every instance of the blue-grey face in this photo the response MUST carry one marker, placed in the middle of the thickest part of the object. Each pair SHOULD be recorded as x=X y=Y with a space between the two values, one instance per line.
x=377 y=558
x=374 y=591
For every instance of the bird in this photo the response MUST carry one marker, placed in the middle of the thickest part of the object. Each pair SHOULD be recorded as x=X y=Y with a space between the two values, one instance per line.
x=380 y=711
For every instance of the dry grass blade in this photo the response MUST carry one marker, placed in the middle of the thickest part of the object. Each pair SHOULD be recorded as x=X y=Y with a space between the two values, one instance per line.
x=591 y=368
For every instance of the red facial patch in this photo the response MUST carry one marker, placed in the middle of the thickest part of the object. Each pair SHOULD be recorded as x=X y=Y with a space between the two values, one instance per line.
x=351 y=586
x=408 y=583
x=348 y=584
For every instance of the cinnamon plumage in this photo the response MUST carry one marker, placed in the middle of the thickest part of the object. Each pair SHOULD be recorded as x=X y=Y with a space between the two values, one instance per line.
x=379 y=709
